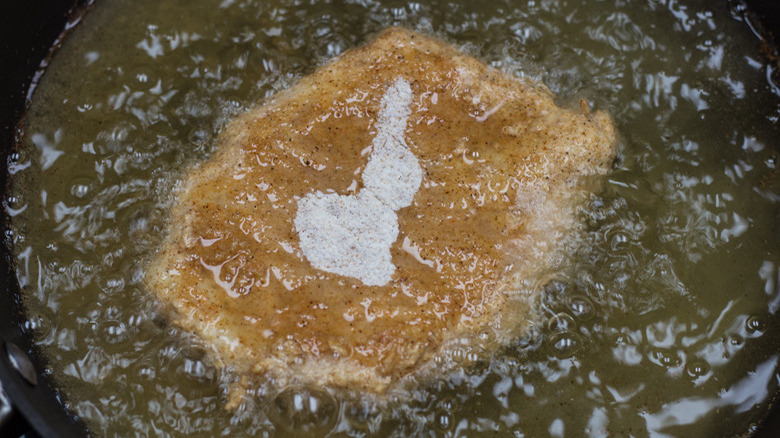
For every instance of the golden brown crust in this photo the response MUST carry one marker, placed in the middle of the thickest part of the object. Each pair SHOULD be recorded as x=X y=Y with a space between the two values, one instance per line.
x=500 y=165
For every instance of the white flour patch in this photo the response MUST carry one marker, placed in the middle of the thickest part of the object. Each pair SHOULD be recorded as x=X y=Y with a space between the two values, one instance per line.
x=352 y=235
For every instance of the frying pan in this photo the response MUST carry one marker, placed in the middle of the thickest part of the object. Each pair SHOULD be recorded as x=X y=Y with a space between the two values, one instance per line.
x=30 y=404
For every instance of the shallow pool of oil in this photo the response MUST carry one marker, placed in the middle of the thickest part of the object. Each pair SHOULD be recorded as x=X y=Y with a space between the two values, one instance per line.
x=666 y=324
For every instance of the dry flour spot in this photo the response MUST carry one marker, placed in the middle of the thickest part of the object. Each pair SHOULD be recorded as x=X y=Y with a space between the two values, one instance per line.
x=352 y=235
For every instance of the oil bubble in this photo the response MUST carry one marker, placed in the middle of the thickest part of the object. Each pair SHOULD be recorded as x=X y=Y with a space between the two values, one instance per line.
x=560 y=323
x=304 y=411
x=447 y=403
x=581 y=307
x=622 y=339
x=618 y=240
x=443 y=420
x=666 y=358
x=118 y=137
x=84 y=107
x=114 y=332
x=697 y=367
x=472 y=358
x=80 y=187
x=112 y=285
x=145 y=77
x=198 y=370
x=147 y=373
x=458 y=355
x=737 y=9
x=15 y=204
x=38 y=324
x=565 y=344
x=736 y=340
x=19 y=157
x=79 y=190
x=755 y=324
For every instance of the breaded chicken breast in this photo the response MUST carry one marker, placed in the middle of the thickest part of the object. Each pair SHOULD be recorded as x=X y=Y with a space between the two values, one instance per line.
x=401 y=197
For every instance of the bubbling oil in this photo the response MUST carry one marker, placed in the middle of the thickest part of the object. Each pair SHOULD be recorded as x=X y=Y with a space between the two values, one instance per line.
x=664 y=322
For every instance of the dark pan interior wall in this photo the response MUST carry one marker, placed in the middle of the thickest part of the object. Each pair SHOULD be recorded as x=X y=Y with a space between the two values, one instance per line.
x=28 y=29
